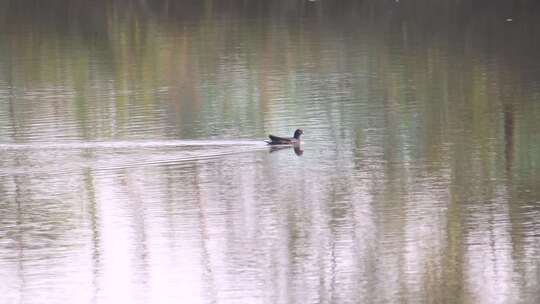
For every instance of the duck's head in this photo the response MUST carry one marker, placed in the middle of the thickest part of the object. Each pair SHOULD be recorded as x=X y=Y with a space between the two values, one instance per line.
x=297 y=133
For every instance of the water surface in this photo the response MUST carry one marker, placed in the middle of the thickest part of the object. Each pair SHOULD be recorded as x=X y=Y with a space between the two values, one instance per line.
x=133 y=167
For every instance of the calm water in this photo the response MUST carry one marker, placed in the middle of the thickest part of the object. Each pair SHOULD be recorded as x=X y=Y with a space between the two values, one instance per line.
x=132 y=166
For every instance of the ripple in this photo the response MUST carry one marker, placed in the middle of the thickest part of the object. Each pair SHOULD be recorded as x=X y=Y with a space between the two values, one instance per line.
x=129 y=144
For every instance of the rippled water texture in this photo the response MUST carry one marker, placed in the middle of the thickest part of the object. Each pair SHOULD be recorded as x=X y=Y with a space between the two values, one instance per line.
x=133 y=167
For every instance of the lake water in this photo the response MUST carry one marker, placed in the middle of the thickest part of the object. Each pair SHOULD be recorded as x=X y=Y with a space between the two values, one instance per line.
x=133 y=167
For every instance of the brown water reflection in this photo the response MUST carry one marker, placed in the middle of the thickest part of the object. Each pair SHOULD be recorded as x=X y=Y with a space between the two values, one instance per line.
x=133 y=168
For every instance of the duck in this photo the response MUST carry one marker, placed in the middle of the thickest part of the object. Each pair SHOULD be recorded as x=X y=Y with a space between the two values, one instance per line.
x=295 y=140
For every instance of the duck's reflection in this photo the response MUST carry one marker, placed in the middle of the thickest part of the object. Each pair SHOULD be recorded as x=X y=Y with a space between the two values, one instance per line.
x=297 y=148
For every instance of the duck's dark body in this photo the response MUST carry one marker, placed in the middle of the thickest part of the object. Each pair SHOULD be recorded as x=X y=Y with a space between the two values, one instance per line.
x=276 y=140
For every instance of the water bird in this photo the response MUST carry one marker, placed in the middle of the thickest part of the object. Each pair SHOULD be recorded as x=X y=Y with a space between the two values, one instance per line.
x=276 y=140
